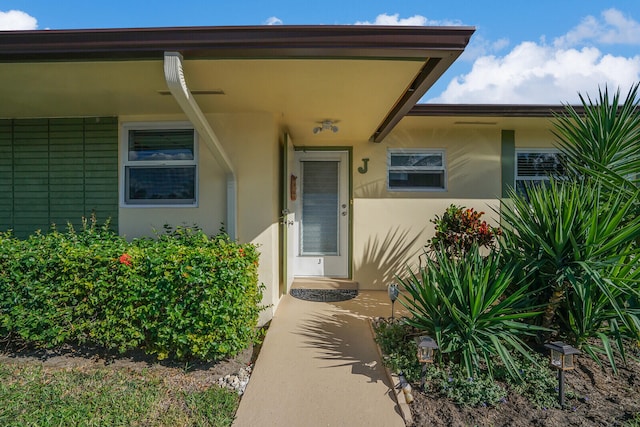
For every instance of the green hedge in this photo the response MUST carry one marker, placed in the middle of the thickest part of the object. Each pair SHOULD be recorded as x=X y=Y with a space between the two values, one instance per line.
x=182 y=295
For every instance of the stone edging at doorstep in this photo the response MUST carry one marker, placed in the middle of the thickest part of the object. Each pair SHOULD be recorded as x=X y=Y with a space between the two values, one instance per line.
x=394 y=380
x=236 y=382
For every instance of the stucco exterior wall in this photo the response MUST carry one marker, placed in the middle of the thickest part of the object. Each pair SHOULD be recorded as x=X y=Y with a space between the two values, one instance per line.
x=389 y=228
x=251 y=142
x=540 y=137
x=392 y=227
x=390 y=234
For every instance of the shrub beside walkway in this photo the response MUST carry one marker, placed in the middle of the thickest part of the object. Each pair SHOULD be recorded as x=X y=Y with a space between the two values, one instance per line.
x=319 y=366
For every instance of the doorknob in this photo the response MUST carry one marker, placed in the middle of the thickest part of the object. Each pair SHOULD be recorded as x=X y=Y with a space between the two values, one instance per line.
x=283 y=218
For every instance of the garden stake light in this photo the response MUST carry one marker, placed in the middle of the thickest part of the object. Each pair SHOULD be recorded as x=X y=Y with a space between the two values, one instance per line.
x=393 y=295
x=426 y=349
x=562 y=358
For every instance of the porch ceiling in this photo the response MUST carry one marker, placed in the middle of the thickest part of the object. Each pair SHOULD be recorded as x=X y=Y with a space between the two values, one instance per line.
x=299 y=92
x=366 y=78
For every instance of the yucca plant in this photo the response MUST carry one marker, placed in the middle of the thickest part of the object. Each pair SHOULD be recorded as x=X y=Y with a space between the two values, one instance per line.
x=604 y=141
x=577 y=239
x=590 y=312
x=463 y=303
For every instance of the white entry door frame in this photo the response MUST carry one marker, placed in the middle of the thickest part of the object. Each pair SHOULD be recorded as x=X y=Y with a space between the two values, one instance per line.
x=322 y=229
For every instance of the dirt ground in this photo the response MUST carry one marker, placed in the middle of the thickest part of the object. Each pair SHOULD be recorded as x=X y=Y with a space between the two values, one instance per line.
x=179 y=375
x=601 y=399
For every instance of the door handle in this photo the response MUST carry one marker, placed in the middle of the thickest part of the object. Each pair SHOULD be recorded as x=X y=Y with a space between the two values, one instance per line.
x=285 y=222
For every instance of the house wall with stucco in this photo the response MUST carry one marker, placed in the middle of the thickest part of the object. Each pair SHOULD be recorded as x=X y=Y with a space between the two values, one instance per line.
x=250 y=140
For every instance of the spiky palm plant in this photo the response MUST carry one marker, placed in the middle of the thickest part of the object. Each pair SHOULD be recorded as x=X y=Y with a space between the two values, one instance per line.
x=577 y=239
x=604 y=141
x=464 y=304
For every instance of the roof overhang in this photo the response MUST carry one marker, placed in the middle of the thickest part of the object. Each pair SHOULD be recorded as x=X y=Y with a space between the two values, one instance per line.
x=490 y=110
x=371 y=74
x=498 y=116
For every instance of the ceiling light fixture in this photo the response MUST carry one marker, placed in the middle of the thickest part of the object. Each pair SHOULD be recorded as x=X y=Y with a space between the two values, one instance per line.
x=326 y=125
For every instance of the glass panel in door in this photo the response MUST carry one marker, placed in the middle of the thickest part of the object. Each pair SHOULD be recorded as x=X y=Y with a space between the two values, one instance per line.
x=320 y=212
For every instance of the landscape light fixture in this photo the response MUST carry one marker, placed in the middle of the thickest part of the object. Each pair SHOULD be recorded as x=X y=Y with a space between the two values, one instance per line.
x=393 y=292
x=326 y=125
x=562 y=358
x=426 y=352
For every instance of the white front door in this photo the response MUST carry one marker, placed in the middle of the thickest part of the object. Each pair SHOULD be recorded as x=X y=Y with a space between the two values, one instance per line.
x=322 y=214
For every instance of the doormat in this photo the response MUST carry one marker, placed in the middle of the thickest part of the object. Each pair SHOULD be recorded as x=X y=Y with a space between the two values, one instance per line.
x=324 y=295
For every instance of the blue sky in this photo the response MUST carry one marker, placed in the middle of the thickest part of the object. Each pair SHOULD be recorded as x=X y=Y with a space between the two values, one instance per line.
x=534 y=52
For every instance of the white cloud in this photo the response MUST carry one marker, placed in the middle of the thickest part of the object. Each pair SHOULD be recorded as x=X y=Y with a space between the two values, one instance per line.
x=541 y=73
x=613 y=28
x=479 y=46
x=415 y=20
x=273 y=20
x=17 y=20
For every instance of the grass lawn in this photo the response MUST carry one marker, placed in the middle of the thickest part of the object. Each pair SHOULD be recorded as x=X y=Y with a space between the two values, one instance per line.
x=33 y=396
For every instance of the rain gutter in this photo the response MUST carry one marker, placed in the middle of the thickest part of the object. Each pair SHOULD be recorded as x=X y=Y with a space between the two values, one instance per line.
x=174 y=75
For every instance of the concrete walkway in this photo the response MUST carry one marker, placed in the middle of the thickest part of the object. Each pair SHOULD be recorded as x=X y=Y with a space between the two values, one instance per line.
x=319 y=366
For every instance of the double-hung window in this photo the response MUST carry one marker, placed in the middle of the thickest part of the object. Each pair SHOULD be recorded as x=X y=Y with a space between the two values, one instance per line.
x=160 y=165
x=416 y=170
x=535 y=166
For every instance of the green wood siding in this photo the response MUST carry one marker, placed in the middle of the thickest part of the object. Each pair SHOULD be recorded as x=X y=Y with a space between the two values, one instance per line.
x=6 y=173
x=57 y=171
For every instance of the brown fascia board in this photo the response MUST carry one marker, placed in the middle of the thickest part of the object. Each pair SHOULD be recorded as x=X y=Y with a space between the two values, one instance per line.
x=421 y=83
x=343 y=41
x=490 y=110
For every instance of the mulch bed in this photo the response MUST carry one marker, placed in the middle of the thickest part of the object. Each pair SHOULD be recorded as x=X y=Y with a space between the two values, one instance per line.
x=601 y=399
x=194 y=376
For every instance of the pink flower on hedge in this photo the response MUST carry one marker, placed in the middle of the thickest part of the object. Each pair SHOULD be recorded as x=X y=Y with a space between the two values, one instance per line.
x=125 y=259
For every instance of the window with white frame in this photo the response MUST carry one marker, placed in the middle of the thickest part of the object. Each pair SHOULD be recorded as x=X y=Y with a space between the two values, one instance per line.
x=160 y=165
x=535 y=166
x=416 y=170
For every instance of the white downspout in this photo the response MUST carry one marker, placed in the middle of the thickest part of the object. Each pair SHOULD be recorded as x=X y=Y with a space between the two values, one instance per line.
x=174 y=76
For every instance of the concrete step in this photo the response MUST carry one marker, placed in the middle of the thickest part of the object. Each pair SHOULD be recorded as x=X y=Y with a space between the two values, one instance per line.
x=323 y=283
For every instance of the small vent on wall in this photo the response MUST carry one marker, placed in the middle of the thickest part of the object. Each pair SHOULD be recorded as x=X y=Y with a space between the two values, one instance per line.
x=475 y=123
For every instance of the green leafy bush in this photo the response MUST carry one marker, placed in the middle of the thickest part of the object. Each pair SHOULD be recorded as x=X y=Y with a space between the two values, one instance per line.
x=182 y=295
x=535 y=382
x=397 y=342
x=460 y=228
x=481 y=390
